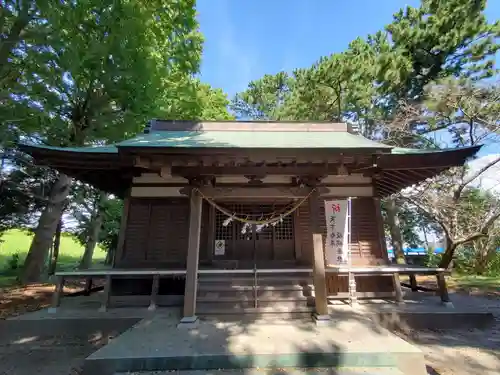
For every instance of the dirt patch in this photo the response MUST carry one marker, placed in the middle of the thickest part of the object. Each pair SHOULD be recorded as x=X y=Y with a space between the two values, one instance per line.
x=18 y=300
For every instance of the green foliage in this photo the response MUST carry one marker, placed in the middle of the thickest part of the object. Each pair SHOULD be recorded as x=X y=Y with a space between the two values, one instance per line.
x=18 y=242
x=437 y=40
x=106 y=67
x=365 y=83
x=113 y=211
x=13 y=262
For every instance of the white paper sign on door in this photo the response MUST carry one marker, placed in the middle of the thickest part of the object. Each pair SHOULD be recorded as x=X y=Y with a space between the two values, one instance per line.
x=337 y=246
x=220 y=247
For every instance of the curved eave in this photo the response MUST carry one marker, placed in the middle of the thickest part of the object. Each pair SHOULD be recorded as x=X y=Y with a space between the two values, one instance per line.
x=107 y=171
x=396 y=172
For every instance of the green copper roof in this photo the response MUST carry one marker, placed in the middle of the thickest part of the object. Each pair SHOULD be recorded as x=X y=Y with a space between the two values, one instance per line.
x=251 y=139
x=244 y=139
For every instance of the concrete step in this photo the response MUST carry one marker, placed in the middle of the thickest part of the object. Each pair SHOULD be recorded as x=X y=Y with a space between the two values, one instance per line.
x=221 y=287
x=279 y=371
x=238 y=308
x=250 y=294
x=265 y=283
x=296 y=300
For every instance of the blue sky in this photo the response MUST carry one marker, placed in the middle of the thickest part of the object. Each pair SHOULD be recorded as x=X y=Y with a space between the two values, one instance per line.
x=245 y=39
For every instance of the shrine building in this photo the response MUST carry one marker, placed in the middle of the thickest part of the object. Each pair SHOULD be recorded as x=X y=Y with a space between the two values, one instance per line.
x=221 y=216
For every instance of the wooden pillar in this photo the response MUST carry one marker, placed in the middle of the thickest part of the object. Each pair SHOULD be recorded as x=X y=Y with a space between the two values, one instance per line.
x=380 y=228
x=211 y=233
x=56 y=297
x=297 y=230
x=413 y=282
x=397 y=288
x=154 y=293
x=106 y=294
x=319 y=272
x=189 y=312
x=443 y=290
x=88 y=286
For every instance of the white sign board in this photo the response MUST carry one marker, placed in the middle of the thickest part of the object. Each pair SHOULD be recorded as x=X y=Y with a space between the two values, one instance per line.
x=337 y=232
x=220 y=247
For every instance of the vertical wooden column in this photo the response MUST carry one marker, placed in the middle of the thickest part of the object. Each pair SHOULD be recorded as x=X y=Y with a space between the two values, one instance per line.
x=319 y=272
x=443 y=290
x=211 y=233
x=189 y=312
x=56 y=297
x=154 y=292
x=397 y=288
x=297 y=236
x=106 y=294
x=380 y=229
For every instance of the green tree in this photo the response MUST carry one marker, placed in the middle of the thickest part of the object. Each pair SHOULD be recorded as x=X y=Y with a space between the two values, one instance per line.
x=127 y=62
x=367 y=83
x=471 y=114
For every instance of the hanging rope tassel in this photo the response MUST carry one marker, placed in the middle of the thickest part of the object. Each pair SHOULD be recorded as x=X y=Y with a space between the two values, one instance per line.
x=273 y=220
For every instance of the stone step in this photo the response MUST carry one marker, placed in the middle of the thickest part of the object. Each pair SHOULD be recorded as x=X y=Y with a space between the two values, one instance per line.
x=248 y=307
x=250 y=294
x=276 y=371
x=220 y=287
x=245 y=299
x=250 y=281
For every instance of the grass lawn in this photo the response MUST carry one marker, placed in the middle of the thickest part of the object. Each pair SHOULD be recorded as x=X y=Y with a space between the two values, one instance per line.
x=475 y=282
x=18 y=242
x=464 y=283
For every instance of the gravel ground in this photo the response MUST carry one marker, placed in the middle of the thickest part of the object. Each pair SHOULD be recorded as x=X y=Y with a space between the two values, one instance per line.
x=53 y=347
x=46 y=356
x=463 y=351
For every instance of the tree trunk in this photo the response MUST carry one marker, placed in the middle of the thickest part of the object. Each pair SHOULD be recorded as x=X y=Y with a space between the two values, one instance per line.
x=44 y=233
x=109 y=256
x=484 y=252
x=425 y=238
x=448 y=254
x=95 y=228
x=396 y=238
x=55 y=251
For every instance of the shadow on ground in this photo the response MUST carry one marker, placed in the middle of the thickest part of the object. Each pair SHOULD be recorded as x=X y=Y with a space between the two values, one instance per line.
x=58 y=346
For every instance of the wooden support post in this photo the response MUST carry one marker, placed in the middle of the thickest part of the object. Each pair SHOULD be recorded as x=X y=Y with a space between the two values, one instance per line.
x=57 y=295
x=154 y=293
x=397 y=288
x=321 y=302
x=413 y=283
x=297 y=236
x=211 y=233
x=443 y=289
x=88 y=286
x=321 y=316
x=189 y=313
x=106 y=294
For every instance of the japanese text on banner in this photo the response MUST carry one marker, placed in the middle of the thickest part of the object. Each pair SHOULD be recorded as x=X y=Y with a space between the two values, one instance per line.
x=337 y=247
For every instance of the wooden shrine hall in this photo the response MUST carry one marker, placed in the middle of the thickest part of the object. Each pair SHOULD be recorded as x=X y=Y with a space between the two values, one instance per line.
x=249 y=216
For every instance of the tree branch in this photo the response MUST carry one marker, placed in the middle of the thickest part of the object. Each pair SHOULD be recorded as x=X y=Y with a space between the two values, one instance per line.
x=467 y=181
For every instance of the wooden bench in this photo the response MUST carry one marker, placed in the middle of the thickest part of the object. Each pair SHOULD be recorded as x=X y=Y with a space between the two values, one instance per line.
x=395 y=271
x=108 y=274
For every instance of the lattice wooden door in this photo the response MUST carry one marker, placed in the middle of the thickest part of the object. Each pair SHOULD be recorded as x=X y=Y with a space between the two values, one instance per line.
x=261 y=247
